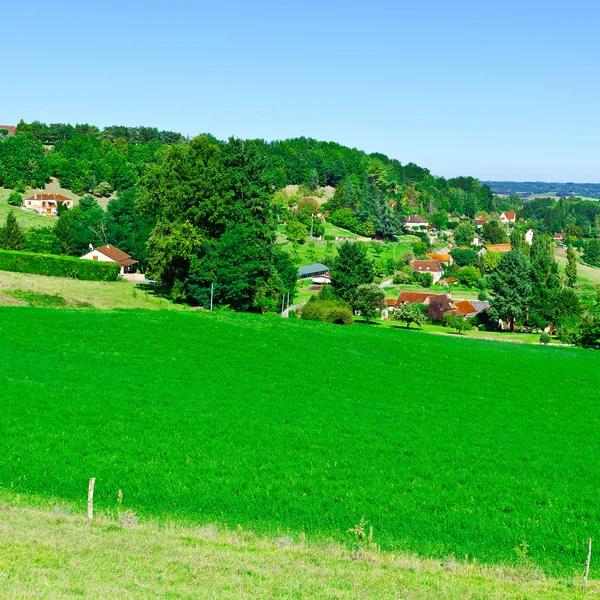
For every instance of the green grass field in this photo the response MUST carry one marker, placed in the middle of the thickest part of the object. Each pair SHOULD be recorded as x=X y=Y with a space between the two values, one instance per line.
x=283 y=426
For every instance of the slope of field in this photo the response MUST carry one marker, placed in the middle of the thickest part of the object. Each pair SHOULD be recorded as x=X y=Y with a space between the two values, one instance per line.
x=52 y=554
x=447 y=449
x=23 y=289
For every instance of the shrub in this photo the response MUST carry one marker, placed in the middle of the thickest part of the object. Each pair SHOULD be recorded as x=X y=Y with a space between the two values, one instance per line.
x=292 y=314
x=15 y=199
x=58 y=266
x=545 y=338
x=332 y=311
x=329 y=238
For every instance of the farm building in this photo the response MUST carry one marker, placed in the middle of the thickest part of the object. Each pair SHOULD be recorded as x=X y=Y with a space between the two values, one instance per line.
x=435 y=267
x=416 y=222
x=109 y=253
x=314 y=270
x=47 y=204
x=508 y=216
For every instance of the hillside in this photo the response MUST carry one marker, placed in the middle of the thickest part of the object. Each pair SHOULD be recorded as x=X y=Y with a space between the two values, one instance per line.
x=447 y=448
x=51 y=553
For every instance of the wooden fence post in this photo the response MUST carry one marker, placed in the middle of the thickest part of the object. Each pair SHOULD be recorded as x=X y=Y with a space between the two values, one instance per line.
x=587 y=564
x=91 y=499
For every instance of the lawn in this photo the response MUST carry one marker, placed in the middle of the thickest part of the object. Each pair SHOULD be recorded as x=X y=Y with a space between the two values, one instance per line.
x=447 y=447
x=585 y=273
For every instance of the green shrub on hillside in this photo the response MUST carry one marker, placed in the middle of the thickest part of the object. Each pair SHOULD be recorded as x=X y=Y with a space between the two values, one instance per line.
x=58 y=266
x=332 y=311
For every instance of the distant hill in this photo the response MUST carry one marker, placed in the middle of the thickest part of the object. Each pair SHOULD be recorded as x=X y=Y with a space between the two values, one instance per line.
x=535 y=188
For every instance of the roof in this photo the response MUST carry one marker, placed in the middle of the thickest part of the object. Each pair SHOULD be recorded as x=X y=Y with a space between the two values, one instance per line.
x=559 y=236
x=480 y=220
x=116 y=255
x=390 y=301
x=314 y=268
x=417 y=219
x=427 y=266
x=510 y=215
x=450 y=280
x=9 y=128
x=412 y=297
x=440 y=257
x=464 y=307
x=498 y=248
x=58 y=197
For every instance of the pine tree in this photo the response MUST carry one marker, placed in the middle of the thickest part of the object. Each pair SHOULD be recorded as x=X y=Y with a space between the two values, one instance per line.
x=571 y=269
x=11 y=235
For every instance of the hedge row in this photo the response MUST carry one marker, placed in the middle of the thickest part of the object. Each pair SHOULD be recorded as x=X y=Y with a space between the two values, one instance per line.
x=58 y=266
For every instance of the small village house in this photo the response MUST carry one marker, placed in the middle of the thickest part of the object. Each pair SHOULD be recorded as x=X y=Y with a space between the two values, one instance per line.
x=507 y=217
x=434 y=267
x=416 y=222
x=109 y=253
x=47 y=204
x=480 y=221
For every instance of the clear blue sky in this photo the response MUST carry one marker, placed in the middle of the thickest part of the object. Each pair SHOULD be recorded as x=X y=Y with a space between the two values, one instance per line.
x=494 y=89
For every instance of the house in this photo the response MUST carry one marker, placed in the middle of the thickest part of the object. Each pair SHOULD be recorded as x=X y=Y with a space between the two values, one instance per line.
x=529 y=236
x=416 y=222
x=477 y=241
x=508 y=216
x=449 y=281
x=314 y=270
x=435 y=267
x=480 y=221
x=559 y=238
x=443 y=258
x=9 y=128
x=109 y=253
x=47 y=204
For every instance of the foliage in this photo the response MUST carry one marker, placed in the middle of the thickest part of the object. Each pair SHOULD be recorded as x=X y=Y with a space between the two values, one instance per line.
x=369 y=301
x=296 y=232
x=460 y=324
x=436 y=309
x=571 y=268
x=490 y=261
x=545 y=338
x=469 y=276
x=42 y=240
x=350 y=269
x=510 y=288
x=331 y=311
x=464 y=257
x=58 y=266
x=545 y=282
x=11 y=235
x=410 y=313
x=15 y=199
x=23 y=163
x=591 y=252
x=464 y=233
x=493 y=233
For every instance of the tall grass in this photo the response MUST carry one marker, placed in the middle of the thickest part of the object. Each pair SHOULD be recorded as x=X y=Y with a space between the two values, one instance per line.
x=445 y=447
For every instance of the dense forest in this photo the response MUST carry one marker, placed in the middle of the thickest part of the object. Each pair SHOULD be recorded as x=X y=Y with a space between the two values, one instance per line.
x=530 y=188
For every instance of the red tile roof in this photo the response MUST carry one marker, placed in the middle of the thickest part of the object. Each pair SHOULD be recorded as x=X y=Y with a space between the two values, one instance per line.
x=464 y=307
x=498 y=248
x=58 y=197
x=117 y=255
x=440 y=257
x=510 y=215
x=412 y=297
x=9 y=128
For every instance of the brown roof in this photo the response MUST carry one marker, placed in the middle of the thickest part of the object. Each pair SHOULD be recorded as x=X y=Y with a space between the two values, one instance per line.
x=9 y=128
x=417 y=219
x=412 y=297
x=498 y=248
x=115 y=254
x=480 y=220
x=58 y=197
x=440 y=257
x=390 y=301
x=509 y=214
x=450 y=280
x=464 y=307
x=427 y=266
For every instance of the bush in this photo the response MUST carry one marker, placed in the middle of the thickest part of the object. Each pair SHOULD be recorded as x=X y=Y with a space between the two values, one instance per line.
x=15 y=199
x=292 y=314
x=545 y=338
x=58 y=266
x=331 y=311
x=329 y=238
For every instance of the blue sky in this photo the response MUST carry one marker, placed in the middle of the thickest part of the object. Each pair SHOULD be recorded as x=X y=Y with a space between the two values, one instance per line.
x=498 y=90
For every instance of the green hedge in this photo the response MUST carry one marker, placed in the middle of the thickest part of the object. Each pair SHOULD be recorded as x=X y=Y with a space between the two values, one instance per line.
x=58 y=266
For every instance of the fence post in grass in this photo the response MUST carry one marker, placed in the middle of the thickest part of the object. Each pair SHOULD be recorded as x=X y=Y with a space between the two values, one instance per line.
x=91 y=499
x=587 y=564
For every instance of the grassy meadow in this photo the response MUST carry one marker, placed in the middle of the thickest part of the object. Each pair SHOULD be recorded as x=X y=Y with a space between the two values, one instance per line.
x=474 y=450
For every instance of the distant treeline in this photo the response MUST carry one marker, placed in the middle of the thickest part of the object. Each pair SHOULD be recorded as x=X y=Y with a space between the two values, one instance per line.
x=528 y=188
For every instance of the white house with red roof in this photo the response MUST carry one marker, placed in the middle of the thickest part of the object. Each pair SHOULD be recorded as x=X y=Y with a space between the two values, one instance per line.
x=435 y=267
x=47 y=204
x=508 y=216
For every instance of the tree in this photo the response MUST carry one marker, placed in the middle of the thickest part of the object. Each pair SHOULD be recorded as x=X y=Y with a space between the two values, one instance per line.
x=464 y=234
x=312 y=180
x=15 y=199
x=437 y=308
x=489 y=261
x=591 y=252
x=545 y=282
x=351 y=268
x=571 y=268
x=460 y=324
x=510 y=288
x=464 y=257
x=11 y=235
x=368 y=229
x=370 y=299
x=469 y=276
x=41 y=239
x=410 y=313
x=296 y=232
x=494 y=234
